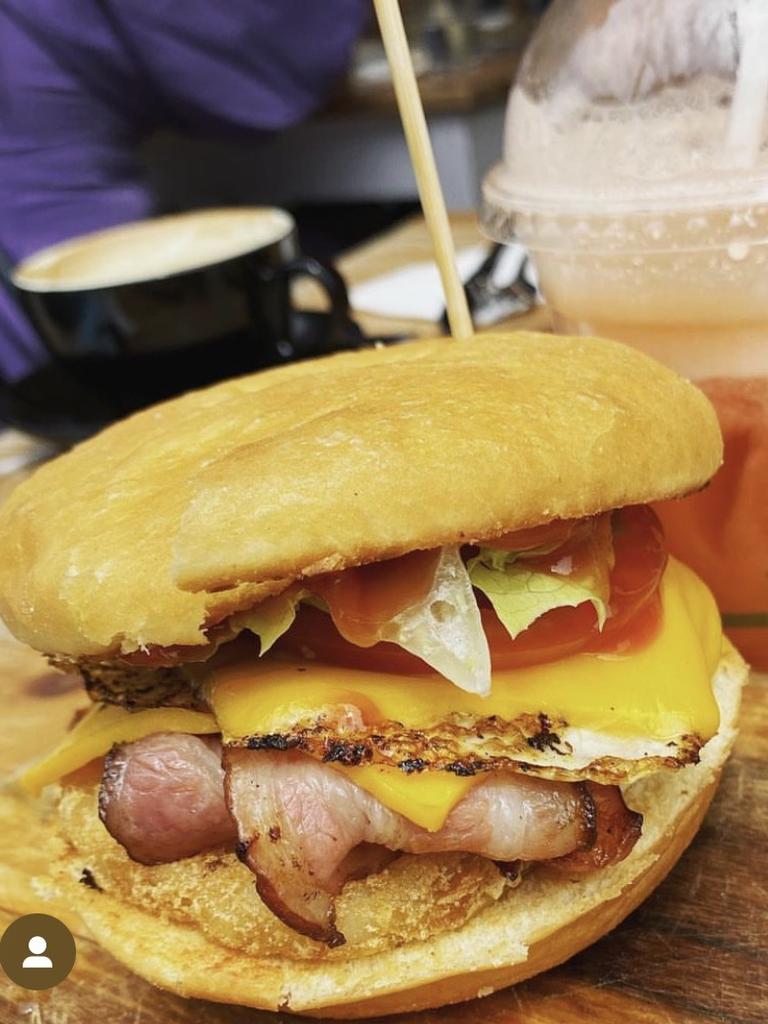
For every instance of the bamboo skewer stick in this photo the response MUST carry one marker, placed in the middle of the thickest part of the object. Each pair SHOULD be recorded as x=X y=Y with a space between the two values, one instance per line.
x=423 y=160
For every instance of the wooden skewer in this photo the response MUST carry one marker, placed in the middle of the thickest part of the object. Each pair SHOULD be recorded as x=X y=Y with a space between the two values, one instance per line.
x=423 y=160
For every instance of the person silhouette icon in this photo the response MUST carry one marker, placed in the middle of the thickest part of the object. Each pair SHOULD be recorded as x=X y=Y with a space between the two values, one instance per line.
x=37 y=946
x=37 y=952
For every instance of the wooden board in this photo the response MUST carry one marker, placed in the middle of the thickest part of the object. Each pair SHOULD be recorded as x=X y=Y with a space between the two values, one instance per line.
x=694 y=953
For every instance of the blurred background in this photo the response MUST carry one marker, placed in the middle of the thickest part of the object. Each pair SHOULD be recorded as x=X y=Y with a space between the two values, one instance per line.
x=345 y=169
x=112 y=113
x=634 y=171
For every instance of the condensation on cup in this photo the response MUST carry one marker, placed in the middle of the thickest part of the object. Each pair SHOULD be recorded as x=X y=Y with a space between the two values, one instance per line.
x=635 y=170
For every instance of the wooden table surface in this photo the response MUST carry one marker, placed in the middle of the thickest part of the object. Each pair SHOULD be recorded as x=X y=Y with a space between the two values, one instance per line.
x=695 y=952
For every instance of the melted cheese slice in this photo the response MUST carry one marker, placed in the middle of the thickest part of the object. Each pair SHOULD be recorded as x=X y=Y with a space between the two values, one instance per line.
x=655 y=694
x=659 y=693
x=98 y=731
x=426 y=799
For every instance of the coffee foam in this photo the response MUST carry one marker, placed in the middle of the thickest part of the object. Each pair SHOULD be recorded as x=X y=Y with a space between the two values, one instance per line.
x=152 y=249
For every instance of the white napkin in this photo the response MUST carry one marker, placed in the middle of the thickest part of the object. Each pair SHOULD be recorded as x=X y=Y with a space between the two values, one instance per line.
x=414 y=292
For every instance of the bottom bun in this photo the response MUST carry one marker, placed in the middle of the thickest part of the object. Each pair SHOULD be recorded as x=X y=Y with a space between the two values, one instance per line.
x=197 y=928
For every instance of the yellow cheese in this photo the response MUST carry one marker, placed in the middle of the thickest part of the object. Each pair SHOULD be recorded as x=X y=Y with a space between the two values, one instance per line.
x=660 y=692
x=426 y=798
x=103 y=726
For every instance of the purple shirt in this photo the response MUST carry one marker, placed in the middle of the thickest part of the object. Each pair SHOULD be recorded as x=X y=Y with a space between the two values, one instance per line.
x=82 y=82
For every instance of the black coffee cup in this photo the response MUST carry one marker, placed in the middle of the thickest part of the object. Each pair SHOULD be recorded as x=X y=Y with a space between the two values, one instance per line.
x=138 y=313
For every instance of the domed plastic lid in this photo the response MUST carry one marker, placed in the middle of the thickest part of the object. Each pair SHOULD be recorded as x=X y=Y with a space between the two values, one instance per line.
x=635 y=105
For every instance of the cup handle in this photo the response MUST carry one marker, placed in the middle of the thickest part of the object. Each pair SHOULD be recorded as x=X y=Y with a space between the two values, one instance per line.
x=335 y=288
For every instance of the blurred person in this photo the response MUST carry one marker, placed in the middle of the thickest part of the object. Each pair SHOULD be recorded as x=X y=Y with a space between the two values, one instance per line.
x=84 y=82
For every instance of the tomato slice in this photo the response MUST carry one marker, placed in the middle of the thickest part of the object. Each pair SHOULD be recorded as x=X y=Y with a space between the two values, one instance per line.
x=313 y=635
x=550 y=535
x=553 y=636
x=633 y=616
x=640 y=555
x=362 y=599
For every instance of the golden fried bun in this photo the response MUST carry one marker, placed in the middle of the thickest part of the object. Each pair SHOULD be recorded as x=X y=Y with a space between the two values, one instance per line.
x=175 y=517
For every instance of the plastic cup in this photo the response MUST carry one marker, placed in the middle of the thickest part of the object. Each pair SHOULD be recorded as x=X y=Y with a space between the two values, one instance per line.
x=624 y=174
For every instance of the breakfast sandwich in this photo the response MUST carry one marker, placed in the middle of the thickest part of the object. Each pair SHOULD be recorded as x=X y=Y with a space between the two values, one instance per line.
x=396 y=693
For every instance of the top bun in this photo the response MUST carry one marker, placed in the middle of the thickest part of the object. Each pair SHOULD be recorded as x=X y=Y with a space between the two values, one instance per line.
x=173 y=518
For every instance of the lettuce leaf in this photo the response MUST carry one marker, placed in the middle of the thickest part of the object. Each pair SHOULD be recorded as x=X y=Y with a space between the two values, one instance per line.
x=445 y=629
x=271 y=618
x=520 y=594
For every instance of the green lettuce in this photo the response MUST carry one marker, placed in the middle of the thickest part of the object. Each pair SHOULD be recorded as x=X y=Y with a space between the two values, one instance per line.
x=270 y=619
x=520 y=593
